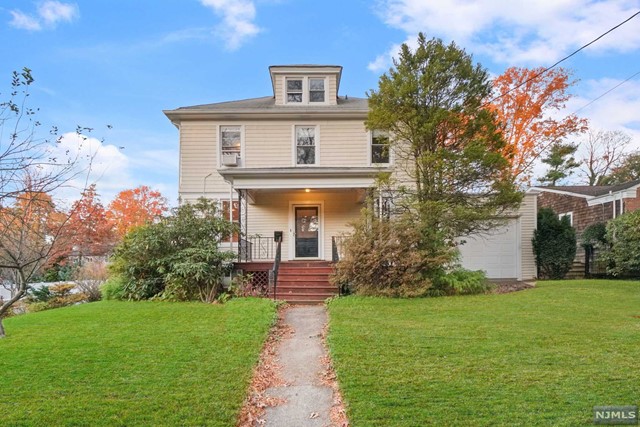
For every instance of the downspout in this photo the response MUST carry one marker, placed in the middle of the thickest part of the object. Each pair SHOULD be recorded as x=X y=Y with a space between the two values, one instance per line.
x=204 y=184
x=613 y=202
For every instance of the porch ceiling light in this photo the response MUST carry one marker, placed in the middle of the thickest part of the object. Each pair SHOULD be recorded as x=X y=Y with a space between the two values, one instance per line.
x=307 y=190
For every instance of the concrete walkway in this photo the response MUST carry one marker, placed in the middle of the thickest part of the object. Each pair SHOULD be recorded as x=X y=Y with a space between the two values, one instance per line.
x=308 y=401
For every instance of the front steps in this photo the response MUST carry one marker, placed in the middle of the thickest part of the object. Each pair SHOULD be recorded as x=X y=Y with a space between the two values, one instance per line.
x=304 y=282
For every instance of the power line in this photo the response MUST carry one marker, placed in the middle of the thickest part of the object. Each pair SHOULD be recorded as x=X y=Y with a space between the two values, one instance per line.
x=564 y=59
x=607 y=92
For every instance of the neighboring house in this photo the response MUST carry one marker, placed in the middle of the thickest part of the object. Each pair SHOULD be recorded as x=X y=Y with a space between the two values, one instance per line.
x=587 y=205
x=301 y=162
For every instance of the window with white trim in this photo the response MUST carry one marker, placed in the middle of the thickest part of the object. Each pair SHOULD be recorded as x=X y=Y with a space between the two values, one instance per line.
x=305 y=90
x=231 y=142
x=316 y=90
x=294 y=90
x=306 y=145
x=379 y=147
x=233 y=216
x=568 y=215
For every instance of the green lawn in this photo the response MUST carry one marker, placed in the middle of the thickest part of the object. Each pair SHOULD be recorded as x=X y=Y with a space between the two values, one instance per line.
x=131 y=364
x=543 y=356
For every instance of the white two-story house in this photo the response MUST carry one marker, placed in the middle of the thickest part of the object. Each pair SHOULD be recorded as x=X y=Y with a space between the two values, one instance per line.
x=300 y=161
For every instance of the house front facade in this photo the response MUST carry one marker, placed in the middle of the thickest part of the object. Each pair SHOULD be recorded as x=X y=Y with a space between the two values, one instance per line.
x=300 y=164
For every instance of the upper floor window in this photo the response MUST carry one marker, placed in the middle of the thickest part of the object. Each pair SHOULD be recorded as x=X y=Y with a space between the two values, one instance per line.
x=316 y=90
x=305 y=90
x=230 y=144
x=294 y=90
x=305 y=145
x=379 y=147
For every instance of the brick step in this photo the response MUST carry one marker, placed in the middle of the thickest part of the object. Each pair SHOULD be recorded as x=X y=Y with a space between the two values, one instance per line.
x=304 y=298
x=304 y=284
x=306 y=270
x=305 y=264
x=284 y=290
x=301 y=277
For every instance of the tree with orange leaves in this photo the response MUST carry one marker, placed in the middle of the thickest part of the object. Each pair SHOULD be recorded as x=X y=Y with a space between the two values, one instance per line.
x=92 y=233
x=136 y=207
x=525 y=104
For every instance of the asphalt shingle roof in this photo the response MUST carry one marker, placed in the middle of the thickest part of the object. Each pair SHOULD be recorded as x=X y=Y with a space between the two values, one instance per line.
x=591 y=190
x=269 y=103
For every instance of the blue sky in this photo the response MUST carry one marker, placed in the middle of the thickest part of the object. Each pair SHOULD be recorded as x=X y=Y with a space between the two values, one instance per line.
x=121 y=62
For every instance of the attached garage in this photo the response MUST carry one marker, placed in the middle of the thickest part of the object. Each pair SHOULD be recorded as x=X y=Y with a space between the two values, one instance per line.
x=497 y=252
x=506 y=252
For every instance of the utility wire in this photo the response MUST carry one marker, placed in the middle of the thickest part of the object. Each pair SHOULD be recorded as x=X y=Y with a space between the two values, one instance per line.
x=563 y=59
x=607 y=92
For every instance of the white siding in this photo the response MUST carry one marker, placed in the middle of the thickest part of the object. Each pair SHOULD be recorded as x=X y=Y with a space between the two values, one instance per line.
x=528 y=224
x=273 y=212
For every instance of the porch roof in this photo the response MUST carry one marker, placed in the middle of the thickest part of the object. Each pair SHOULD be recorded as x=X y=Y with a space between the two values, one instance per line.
x=301 y=177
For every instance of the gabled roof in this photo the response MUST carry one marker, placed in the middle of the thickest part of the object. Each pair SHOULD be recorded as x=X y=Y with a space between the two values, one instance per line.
x=588 y=191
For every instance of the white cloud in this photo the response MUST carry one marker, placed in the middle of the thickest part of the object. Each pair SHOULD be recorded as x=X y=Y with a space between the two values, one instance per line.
x=237 y=20
x=96 y=162
x=536 y=31
x=48 y=14
x=51 y=12
x=23 y=21
x=616 y=110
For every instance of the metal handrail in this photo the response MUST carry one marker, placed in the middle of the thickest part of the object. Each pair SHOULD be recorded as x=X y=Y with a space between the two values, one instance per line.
x=276 y=268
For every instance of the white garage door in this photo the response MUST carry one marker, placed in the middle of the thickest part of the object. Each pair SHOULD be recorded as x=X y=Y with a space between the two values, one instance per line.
x=496 y=252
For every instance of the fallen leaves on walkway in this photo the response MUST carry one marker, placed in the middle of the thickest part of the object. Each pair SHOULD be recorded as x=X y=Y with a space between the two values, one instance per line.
x=267 y=374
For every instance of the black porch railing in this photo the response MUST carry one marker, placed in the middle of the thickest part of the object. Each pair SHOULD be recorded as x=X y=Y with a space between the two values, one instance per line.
x=273 y=273
x=254 y=248
x=594 y=265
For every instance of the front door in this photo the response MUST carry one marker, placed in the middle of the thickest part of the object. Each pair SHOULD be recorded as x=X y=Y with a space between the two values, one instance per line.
x=306 y=228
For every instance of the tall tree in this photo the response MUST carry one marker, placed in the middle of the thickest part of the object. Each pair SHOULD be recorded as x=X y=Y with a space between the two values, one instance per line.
x=627 y=170
x=527 y=104
x=136 y=207
x=92 y=232
x=561 y=163
x=32 y=230
x=430 y=103
x=603 y=151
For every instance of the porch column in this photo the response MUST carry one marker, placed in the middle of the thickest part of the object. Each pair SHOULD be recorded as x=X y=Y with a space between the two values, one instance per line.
x=244 y=252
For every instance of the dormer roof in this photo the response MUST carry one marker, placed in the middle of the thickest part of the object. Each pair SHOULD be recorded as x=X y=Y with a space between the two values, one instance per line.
x=305 y=69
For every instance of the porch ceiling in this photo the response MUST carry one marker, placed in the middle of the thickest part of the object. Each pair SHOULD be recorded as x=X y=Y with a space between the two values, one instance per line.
x=300 y=177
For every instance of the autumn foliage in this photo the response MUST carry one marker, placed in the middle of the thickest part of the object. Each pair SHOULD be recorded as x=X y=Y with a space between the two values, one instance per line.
x=136 y=207
x=92 y=232
x=526 y=102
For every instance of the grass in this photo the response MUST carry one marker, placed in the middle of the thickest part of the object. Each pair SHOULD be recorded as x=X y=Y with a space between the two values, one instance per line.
x=538 y=357
x=131 y=364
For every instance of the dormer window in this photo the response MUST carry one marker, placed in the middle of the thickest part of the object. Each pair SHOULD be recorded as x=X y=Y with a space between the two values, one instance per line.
x=305 y=90
x=294 y=90
x=316 y=90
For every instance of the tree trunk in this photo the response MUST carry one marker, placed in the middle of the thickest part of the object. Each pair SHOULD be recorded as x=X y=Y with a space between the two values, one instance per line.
x=1 y=329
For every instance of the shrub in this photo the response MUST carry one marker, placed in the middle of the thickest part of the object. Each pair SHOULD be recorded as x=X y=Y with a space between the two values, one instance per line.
x=41 y=294
x=554 y=245
x=113 y=288
x=384 y=258
x=623 y=233
x=595 y=235
x=56 y=296
x=461 y=282
x=89 y=277
x=177 y=258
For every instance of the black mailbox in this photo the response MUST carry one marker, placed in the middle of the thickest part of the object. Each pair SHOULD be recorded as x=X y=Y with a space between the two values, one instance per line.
x=277 y=236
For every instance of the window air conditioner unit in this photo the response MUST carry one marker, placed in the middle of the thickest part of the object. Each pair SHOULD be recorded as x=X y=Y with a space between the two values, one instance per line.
x=230 y=159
